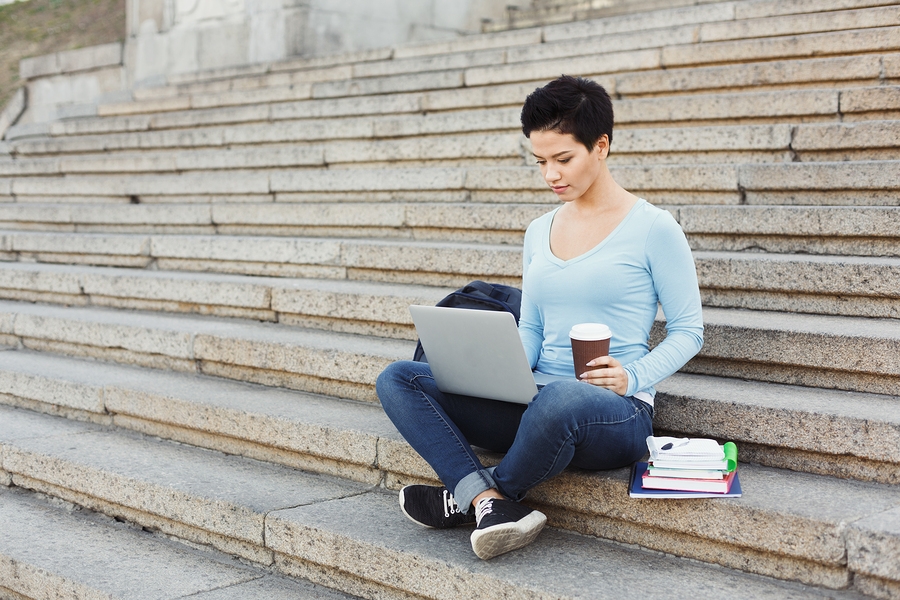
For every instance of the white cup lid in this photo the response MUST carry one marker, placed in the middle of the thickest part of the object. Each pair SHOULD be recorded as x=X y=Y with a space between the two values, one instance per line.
x=590 y=331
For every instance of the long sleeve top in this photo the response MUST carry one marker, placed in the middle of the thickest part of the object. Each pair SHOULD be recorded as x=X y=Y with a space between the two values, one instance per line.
x=643 y=264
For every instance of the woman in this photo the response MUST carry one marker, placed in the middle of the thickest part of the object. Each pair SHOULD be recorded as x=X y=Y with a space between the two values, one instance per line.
x=604 y=256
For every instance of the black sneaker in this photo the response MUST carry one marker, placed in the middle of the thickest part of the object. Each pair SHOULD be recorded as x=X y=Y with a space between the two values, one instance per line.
x=432 y=506
x=504 y=525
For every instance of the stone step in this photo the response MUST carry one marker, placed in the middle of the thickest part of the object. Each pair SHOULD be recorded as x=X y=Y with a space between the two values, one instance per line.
x=156 y=484
x=555 y=11
x=863 y=102
x=725 y=13
x=558 y=15
x=845 y=435
x=272 y=124
x=832 y=285
x=620 y=41
x=249 y=127
x=834 y=230
x=438 y=221
x=321 y=527
x=849 y=17
x=856 y=41
x=342 y=88
x=829 y=43
x=446 y=61
x=322 y=68
x=746 y=107
x=835 y=71
x=865 y=70
x=737 y=103
x=805 y=429
x=368 y=308
x=684 y=145
x=467 y=43
x=49 y=550
x=671 y=34
x=525 y=46
x=502 y=148
x=322 y=434
x=387 y=106
x=772 y=8
x=293 y=64
x=248 y=82
x=803 y=142
x=835 y=285
x=255 y=125
x=541 y=560
x=455 y=71
x=401 y=261
x=334 y=363
x=853 y=41
x=837 y=183
x=420 y=243
x=845 y=142
x=613 y=41
x=846 y=353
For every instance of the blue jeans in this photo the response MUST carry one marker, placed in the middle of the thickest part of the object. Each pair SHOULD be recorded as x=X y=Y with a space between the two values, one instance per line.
x=567 y=423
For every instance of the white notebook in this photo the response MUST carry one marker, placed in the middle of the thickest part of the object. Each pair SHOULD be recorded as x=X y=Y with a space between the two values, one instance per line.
x=684 y=449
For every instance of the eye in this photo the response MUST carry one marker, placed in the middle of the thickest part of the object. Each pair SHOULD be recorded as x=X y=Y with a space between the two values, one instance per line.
x=564 y=160
x=541 y=162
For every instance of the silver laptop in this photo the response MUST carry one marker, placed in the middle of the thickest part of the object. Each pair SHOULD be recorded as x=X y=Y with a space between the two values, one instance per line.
x=477 y=353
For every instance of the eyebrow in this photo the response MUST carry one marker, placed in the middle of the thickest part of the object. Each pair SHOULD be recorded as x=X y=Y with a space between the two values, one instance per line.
x=557 y=155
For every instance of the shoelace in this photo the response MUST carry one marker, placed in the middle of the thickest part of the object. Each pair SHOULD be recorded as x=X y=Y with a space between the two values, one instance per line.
x=450 y=505
x=484 y=507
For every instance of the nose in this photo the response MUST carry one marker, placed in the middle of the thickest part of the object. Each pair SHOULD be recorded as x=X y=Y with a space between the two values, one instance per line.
x=550 y=174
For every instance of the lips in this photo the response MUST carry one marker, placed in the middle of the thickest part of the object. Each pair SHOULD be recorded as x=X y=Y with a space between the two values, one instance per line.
x=559 y=189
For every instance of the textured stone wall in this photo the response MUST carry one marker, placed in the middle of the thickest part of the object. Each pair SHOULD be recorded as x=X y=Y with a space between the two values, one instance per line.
x=168 y=37
x=71 y=83
x=174 y=37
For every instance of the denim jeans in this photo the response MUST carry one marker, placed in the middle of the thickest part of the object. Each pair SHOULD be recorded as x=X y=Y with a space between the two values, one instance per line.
x=567 y=423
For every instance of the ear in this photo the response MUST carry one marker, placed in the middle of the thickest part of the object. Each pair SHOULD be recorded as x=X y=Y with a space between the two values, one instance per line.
x=602 y=147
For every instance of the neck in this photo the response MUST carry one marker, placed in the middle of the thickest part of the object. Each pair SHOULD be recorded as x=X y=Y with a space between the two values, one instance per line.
x=605 y=194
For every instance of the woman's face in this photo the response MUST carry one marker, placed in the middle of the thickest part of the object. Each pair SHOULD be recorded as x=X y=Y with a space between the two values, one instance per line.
x=567 y=166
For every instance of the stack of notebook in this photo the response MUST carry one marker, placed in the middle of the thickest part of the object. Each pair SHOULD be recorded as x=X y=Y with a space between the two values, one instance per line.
x=687 y=468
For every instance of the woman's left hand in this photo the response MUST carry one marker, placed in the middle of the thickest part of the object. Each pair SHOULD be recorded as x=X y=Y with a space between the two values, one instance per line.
x=608 y=373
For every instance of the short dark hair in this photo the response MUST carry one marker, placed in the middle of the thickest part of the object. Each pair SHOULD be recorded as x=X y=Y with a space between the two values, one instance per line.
x=572 y=105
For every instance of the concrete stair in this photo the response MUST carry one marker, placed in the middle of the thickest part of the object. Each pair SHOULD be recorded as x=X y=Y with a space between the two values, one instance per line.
x=869 y=140
x=543 y=12
x=199 y=288
x=354 y=441
x=60 y=552
x=318 y=527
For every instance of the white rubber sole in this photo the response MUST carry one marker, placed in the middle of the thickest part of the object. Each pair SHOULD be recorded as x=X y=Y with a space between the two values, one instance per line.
x=500 y=539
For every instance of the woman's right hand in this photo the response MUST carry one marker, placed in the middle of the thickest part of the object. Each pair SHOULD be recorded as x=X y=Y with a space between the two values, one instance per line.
x=610 y=374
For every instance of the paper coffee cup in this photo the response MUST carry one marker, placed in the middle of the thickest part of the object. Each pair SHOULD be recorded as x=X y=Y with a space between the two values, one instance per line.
x=589 y=341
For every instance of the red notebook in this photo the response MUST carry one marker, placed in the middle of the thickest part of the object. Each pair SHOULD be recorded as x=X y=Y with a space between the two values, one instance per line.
x=716 y=486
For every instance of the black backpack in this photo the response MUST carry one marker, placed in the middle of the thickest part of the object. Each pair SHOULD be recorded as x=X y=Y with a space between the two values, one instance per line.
x=480 y=296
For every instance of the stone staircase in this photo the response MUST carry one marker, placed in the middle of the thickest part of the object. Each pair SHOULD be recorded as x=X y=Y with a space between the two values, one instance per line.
x=547 y=12
x=200 y=287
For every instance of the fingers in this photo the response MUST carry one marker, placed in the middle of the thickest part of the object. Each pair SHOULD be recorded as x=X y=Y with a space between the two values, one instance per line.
x=610 y=377
x=604 y=361
x=604 y=377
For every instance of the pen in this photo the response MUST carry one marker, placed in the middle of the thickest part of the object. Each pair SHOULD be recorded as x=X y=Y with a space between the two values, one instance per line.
x=671 y=445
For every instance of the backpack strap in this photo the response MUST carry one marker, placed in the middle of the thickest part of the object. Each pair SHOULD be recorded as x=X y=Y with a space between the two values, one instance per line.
x=491 y=291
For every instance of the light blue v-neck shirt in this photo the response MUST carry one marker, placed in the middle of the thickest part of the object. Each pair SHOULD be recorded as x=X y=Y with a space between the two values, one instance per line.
x=644 y=261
